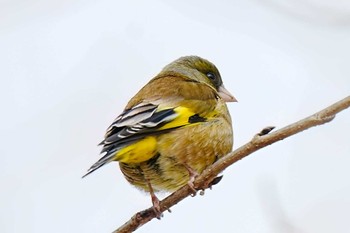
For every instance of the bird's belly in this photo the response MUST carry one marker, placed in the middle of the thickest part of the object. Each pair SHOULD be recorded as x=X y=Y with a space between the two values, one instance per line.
x=196 y=146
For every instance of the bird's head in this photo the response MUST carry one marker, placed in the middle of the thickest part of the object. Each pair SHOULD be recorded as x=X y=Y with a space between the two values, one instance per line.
x=201 y=70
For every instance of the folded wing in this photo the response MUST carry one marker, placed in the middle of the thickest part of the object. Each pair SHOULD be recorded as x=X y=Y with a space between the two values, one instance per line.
x=131 y=137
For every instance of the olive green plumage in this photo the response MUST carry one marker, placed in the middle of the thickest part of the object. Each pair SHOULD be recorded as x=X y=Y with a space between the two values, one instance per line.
x=177 y=125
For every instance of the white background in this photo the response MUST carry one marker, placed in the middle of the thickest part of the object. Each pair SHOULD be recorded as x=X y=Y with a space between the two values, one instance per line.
x=68 y=68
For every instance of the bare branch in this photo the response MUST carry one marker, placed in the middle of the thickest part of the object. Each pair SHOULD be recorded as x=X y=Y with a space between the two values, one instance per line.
x=259 y=141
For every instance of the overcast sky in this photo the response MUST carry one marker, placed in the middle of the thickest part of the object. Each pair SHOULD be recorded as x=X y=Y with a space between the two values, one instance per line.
x=68 y=69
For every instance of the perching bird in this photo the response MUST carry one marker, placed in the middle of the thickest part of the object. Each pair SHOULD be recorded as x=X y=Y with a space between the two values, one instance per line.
x=176 y=126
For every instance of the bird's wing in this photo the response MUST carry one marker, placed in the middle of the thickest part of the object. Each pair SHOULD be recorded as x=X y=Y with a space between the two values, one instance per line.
x=131 y=137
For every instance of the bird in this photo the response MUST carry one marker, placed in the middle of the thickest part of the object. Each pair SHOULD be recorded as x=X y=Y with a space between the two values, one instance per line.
x=175 y=127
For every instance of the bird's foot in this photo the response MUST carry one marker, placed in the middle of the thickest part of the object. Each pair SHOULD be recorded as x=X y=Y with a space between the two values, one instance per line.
x=193 y=174
x=156 y=206
x=191 y=185
x=155 y=201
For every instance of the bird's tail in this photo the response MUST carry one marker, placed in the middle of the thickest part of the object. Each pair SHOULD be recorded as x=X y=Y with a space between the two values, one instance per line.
x=108 y=157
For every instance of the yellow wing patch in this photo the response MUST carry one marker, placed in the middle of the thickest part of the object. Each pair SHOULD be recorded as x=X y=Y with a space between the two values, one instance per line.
x=146 y=148
x=181 y=120
x=138 y=152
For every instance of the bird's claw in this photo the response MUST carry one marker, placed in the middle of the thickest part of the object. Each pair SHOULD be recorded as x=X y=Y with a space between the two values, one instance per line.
x=193 y=174
x=156 y=206
x=193 y=189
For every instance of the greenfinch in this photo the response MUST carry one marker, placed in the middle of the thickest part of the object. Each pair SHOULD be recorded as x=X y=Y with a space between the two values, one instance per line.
x=176 y=126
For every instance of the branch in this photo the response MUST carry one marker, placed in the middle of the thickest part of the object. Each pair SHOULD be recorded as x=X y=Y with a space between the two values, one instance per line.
x=261 y=140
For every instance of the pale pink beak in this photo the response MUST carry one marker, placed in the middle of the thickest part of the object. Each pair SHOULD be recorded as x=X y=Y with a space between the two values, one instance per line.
x=226 y=95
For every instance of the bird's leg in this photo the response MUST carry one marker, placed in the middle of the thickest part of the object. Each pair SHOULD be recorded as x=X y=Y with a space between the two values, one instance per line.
x=193 y=174
x=155 y=200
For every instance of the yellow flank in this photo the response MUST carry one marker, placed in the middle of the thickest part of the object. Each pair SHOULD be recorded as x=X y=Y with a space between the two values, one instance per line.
x=181 y=120
x=138 y=152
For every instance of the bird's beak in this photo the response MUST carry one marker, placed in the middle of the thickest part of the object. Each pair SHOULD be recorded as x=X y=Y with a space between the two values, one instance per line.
x=226 y=95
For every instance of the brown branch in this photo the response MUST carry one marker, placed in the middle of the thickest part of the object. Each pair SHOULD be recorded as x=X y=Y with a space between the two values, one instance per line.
x=259 y=141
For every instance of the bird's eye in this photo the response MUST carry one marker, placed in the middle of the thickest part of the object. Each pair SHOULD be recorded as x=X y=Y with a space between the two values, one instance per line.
x=211 y=76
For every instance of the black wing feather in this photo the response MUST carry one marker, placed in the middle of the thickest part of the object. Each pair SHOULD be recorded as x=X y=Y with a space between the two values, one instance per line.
x=132 y=125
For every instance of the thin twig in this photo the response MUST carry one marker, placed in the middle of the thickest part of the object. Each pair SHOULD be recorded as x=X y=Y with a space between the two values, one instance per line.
x=259 y=141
